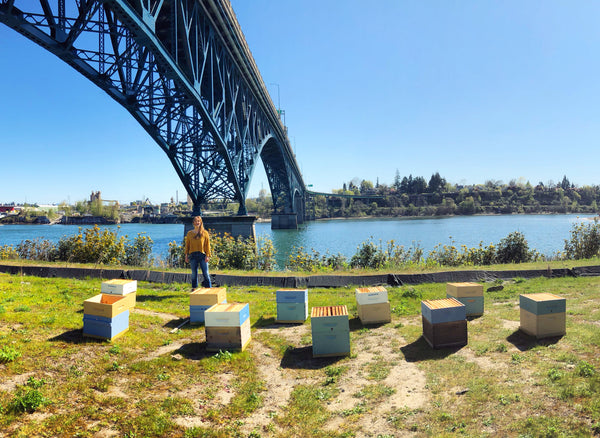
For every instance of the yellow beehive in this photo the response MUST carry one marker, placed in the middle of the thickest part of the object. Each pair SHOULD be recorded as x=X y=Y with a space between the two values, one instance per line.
x=464 y=289
x=106 y=305
x=208 y=296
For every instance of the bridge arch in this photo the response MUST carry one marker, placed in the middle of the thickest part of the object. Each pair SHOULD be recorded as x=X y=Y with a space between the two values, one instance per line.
x=184 y=71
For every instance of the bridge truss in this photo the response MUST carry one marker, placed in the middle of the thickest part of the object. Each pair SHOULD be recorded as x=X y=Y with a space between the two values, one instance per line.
x=183 y=70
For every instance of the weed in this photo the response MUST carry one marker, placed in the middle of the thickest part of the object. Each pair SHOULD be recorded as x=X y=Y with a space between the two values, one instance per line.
x=223 y=356
x=115 y=349
x=22 y=308
x=28 y=398
x=585 y=369
x=8 y=354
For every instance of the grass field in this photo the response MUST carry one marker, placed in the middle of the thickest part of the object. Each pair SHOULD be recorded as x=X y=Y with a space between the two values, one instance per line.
x=154 y=383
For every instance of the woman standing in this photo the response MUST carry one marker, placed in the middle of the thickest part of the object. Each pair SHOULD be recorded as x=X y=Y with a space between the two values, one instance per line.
x=197 y=252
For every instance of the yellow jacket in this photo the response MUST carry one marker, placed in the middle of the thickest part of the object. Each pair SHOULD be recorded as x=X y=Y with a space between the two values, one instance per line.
x=193 y=243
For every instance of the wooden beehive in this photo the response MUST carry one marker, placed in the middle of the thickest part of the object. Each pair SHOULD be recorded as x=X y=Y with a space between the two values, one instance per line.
x=377 y=313
x=464 y=289
x=542 y=315
x=330 y=329
x=371 y=295
x=208 y=296
x=228 y=338
x=470 y=294
x=445 y=334
x=107 y=305
x=118 y=287
x=227 y=315
x=444 y=310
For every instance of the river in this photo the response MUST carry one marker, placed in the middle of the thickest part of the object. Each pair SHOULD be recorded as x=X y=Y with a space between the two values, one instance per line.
x=545 y=233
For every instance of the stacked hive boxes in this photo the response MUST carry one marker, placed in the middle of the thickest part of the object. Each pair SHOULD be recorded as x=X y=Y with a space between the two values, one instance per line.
x=470 y=294
x=202 y=299
x=543 y=315
x=373 y=305
x=227 y=326
x=330 y=331
x=106 y=316
x=444 y=322
x=292 y=305
x=126 y=288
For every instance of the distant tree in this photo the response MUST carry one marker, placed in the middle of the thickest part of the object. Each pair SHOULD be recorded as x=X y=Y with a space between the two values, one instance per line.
x=565 y=183
x=419 y=185
x=365 y=186
x=397 y=181
x=436 y=183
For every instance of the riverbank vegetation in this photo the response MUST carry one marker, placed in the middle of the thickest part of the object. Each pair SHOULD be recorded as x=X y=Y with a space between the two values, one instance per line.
x=160 y=381
x=105 y=247
x=417 y=196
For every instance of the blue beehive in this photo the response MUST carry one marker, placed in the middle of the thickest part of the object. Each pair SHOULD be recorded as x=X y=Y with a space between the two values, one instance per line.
x=292 y=305
x=104 y=327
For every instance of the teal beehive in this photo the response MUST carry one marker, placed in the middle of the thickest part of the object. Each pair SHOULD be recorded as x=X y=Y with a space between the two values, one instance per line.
x=330 y=331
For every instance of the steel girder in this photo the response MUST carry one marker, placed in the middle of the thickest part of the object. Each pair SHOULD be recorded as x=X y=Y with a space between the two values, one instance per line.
x=182 y=68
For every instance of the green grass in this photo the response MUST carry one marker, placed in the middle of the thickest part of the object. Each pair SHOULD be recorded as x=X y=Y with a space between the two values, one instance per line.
x=501 y=384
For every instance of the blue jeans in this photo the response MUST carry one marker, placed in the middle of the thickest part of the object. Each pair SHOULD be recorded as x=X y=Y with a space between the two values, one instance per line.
x=199 y=258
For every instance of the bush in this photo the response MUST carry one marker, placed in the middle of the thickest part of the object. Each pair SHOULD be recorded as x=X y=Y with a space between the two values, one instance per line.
x=584 y=241
x=513 y=249
x=37 y=249
x=369 y=256
x=92 y=246
x=139 y=253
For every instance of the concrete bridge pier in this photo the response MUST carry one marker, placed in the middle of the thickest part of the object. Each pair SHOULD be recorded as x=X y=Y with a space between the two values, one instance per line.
x=284 y=221
x=234 y=225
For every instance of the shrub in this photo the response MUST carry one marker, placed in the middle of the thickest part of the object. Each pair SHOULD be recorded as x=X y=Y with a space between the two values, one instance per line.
x=584 y=241
x=37 y=249
x=92 y=246
x=8 y=252
x=139 y=253
x=369 y=256
x=513 y=249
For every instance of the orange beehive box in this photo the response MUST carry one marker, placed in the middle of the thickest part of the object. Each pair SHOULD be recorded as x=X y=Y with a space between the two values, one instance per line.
x=107 y=305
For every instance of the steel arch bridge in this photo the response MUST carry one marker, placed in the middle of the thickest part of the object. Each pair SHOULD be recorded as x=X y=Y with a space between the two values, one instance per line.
x=183 y=70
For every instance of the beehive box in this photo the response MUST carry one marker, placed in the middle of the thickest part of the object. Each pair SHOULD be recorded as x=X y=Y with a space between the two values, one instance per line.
x=107 y=305
x=292 y=296
x=445 y=334
x=226 y=315
x=444 y=310
x=464 y=289
x=542 y=303
x=542 y=315
x=377 y=313
x=101 y=327
x=208 y=296
x=118 y=287
x=330 y=329
x=371 y=295
x=228 y=338
x=290 y=312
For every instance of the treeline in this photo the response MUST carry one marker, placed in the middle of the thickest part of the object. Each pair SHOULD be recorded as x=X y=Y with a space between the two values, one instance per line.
x=416 y=196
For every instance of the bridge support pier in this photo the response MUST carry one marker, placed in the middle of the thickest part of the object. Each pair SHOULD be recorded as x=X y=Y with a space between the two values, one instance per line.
x=284 y=221
x=234 y=225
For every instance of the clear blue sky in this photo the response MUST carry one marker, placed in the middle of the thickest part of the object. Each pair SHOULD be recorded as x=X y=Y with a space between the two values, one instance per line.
x=473 y=90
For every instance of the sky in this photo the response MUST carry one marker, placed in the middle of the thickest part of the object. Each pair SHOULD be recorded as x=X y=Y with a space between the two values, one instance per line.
x=477 y=91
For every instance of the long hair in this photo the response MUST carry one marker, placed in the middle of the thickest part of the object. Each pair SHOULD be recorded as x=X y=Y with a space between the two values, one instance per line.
x=201 y=228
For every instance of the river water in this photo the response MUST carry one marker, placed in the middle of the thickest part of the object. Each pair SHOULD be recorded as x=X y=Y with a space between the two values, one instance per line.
x=545 y=233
